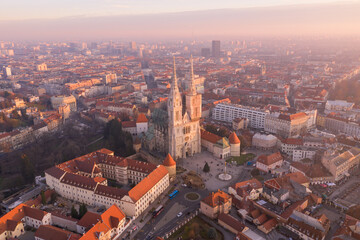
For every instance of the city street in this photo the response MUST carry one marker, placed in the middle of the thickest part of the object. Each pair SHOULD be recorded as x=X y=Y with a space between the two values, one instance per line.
x=167 y=219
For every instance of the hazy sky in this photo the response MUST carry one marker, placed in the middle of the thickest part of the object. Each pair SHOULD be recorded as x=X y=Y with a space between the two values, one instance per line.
x=175 y=19
x=38 y=9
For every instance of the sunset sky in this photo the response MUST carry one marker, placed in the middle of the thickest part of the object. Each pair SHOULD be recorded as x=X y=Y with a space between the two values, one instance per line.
x=38 y=9
x=175 y=19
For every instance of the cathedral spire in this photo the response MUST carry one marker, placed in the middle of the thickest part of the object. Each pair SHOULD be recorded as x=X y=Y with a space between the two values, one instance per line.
x=192 y=88
x=174 y=83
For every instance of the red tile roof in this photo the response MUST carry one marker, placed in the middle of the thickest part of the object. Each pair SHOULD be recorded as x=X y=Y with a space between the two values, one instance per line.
x=147 y=183
x=210 y=137
x=233 y=138
x=89 y=219
x=141 y=118
x=231 y=221
x=128 y=124
x=216 y=198
x=169 y=161
x=48 y=232
x=270 y=159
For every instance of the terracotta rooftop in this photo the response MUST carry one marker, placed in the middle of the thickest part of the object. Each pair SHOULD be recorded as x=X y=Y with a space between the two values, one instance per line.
x=89 y=219
x=231 y=221
x=141 y=118
x=292 y=116
x=48 y=232
x=169 y=161
x=210 y=137
x=147 y=183
x=233 y=138
x=270 y=159
x=216 y=198
x=293 y=141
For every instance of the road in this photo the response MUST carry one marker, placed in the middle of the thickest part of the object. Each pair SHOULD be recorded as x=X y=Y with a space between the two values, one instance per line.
x=167 y=219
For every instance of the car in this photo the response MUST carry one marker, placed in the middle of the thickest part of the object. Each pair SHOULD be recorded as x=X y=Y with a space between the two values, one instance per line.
x=134 y=228
x=179 y=214
x=184 y=185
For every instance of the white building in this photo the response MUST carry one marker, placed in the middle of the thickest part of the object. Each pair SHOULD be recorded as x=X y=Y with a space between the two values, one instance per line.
x=82 y=180
x=338 y=105
x=264 y=141
x=228 y=112
x=300 y=153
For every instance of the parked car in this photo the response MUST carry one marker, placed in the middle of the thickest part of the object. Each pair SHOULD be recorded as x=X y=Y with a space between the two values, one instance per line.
x=179 y=214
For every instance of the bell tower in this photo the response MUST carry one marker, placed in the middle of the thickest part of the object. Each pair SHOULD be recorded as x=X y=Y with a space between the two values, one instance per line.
x=175 y=116
x=193 y=99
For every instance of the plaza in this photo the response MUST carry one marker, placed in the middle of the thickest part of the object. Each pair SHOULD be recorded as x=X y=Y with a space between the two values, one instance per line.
x=217 y=166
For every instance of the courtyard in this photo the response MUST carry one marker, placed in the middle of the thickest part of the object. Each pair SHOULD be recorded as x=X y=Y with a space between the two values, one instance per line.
x=197 y=162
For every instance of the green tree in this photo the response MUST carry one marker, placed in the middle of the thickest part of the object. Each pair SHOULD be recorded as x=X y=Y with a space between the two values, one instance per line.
x=27 y=168
x=43 y=198
x=82 y=210
x=206 y=167
x=53 y=197
x=212 y=234
x=74 y=212
x=118 y=140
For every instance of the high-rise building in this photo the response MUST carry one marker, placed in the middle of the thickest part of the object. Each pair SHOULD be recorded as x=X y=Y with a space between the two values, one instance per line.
x=132 y=45
x=216 y=48
x=7 y=71
x=205 y=52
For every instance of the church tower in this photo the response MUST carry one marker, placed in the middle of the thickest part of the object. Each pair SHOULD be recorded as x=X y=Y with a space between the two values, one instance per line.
x=193 y=99
x=184 y=130
x=175 y=116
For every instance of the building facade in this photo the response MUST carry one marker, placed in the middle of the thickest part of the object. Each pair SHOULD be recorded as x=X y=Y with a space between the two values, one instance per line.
x=184 y=129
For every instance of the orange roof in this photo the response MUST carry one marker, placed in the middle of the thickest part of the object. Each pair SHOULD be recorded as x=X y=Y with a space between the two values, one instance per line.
x=141 y=118
x=216 y=198
x=106 y=151
x=210 y=137
x=270 y=159
x=53 y=233
x=233 y=138
x=169 y=161
x=113 y=216
x=147 y=183
x=95 y=231
x=99 y=179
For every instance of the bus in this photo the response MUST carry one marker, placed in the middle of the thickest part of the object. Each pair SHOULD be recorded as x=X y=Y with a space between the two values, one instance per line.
x=158 y=210
x=173 y=194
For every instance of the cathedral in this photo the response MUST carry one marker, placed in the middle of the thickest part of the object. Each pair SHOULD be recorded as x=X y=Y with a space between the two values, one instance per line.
x=184 y=129
x=177 y=132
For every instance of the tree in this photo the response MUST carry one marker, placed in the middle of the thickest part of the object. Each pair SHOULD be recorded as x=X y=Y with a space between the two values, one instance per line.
x=53 y=197
x=119 y=141
x=206 y=167
x=27 y=168
x=82 y=210
x=212 y=234
x=74 y=212
x=43 y=198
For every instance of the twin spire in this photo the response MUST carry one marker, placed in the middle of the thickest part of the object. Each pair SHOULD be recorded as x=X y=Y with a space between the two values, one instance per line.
x=192 y=88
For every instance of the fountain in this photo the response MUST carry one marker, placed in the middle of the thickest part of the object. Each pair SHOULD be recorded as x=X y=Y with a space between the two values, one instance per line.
x=225 y=176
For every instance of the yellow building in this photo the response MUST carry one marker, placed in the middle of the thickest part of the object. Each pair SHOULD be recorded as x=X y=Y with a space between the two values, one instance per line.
x=215 y=204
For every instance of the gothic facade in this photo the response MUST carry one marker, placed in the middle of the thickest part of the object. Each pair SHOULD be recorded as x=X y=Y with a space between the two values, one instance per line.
x=184 y=128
